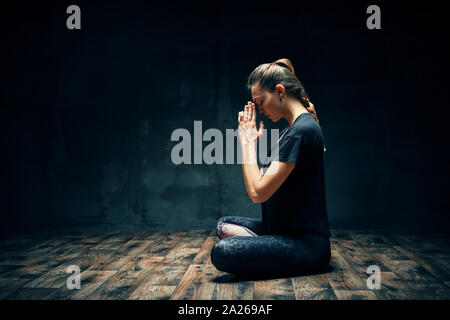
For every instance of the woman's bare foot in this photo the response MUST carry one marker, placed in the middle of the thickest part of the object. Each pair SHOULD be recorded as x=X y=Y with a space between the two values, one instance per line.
x=230 y=230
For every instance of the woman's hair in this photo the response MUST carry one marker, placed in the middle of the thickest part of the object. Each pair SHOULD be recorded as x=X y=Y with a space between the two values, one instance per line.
x=281 y=72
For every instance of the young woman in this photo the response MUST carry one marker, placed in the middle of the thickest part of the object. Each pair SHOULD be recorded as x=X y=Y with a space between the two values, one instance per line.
x=292 y=238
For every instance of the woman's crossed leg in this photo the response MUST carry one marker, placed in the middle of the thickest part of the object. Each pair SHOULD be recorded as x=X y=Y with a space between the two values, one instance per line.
x=240 y=253
x=230 y=226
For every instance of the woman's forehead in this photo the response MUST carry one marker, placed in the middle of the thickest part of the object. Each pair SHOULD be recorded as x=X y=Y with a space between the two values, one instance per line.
x=256 y=93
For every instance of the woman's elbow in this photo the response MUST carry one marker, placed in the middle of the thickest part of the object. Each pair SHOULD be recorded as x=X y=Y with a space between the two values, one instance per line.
x=256 y=198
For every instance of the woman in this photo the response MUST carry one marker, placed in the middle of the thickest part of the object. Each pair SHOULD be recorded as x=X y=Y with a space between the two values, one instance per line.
x=292 y=238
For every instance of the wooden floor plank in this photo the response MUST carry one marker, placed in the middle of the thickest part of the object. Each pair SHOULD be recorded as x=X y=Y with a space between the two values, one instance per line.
x=320 y=294
x=86 y=260
x=233 y=291
x=370 y=240
x=53 y=279
x=196 y=283
x=152 y=293
x=141 y=263
x=8 y=285
x=204 y=255
x=343 y=276
x=90 y=282
x=166 y=275
x=359 y=257
x=120 y=285
x=313 y=287
x=181 y=256
x=275 y=289
x=30 y=294
x=386 y=253
x=355 y=295
x=415 y=276
x=438 y=270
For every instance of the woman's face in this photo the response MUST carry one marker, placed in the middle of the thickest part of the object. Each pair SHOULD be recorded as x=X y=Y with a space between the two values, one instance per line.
x=267 y=103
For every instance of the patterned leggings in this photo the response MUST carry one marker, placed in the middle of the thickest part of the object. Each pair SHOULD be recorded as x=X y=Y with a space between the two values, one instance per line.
x=269 y=255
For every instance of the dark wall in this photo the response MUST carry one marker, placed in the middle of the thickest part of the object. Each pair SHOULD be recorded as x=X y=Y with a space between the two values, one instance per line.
x=87 y=115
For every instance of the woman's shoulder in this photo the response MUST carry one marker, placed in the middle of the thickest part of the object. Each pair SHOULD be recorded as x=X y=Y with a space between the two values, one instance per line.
x=305 y=124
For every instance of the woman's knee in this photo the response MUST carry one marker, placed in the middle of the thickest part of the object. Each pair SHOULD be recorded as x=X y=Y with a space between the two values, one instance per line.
x=220 y=228
x=219 y=255
x=225 y=219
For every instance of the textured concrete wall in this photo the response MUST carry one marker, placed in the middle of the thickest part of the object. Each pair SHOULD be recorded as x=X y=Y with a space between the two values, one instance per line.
x=89 y=114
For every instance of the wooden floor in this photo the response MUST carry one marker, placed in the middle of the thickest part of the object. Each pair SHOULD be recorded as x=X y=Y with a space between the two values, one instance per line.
x=177 y=265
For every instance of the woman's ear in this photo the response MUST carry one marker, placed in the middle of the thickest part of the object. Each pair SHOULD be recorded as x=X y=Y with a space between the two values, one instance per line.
x=280 y=90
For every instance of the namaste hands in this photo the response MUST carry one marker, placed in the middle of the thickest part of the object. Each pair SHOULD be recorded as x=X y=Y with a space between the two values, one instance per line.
x=247 y=125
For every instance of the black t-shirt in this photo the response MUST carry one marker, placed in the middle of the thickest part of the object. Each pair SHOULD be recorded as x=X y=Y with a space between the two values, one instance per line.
x=299 y=205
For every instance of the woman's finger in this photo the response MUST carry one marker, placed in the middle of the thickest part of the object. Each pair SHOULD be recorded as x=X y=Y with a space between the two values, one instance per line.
x=253 y=113
x=250 y=115
x=261 y=128
x=240 y=116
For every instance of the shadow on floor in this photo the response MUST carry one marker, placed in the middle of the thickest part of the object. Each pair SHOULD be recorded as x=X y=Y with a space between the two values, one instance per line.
x=232 y=278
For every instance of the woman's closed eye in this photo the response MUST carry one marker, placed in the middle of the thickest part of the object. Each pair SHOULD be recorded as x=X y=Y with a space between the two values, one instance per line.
x=260 y=107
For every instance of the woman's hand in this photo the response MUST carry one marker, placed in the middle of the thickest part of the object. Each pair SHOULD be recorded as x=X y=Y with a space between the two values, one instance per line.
x=247 y=125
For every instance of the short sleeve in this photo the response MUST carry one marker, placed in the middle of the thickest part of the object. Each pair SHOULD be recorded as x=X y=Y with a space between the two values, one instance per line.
x=291 y=148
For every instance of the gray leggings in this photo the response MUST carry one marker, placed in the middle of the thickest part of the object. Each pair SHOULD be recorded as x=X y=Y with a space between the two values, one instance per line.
x=269 y=255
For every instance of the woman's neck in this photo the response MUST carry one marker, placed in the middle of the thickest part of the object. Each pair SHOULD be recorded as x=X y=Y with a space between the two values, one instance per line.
x=294 y=109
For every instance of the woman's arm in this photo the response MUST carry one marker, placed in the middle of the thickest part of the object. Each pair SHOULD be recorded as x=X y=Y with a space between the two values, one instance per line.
x=250 y=170
x=259 y=187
